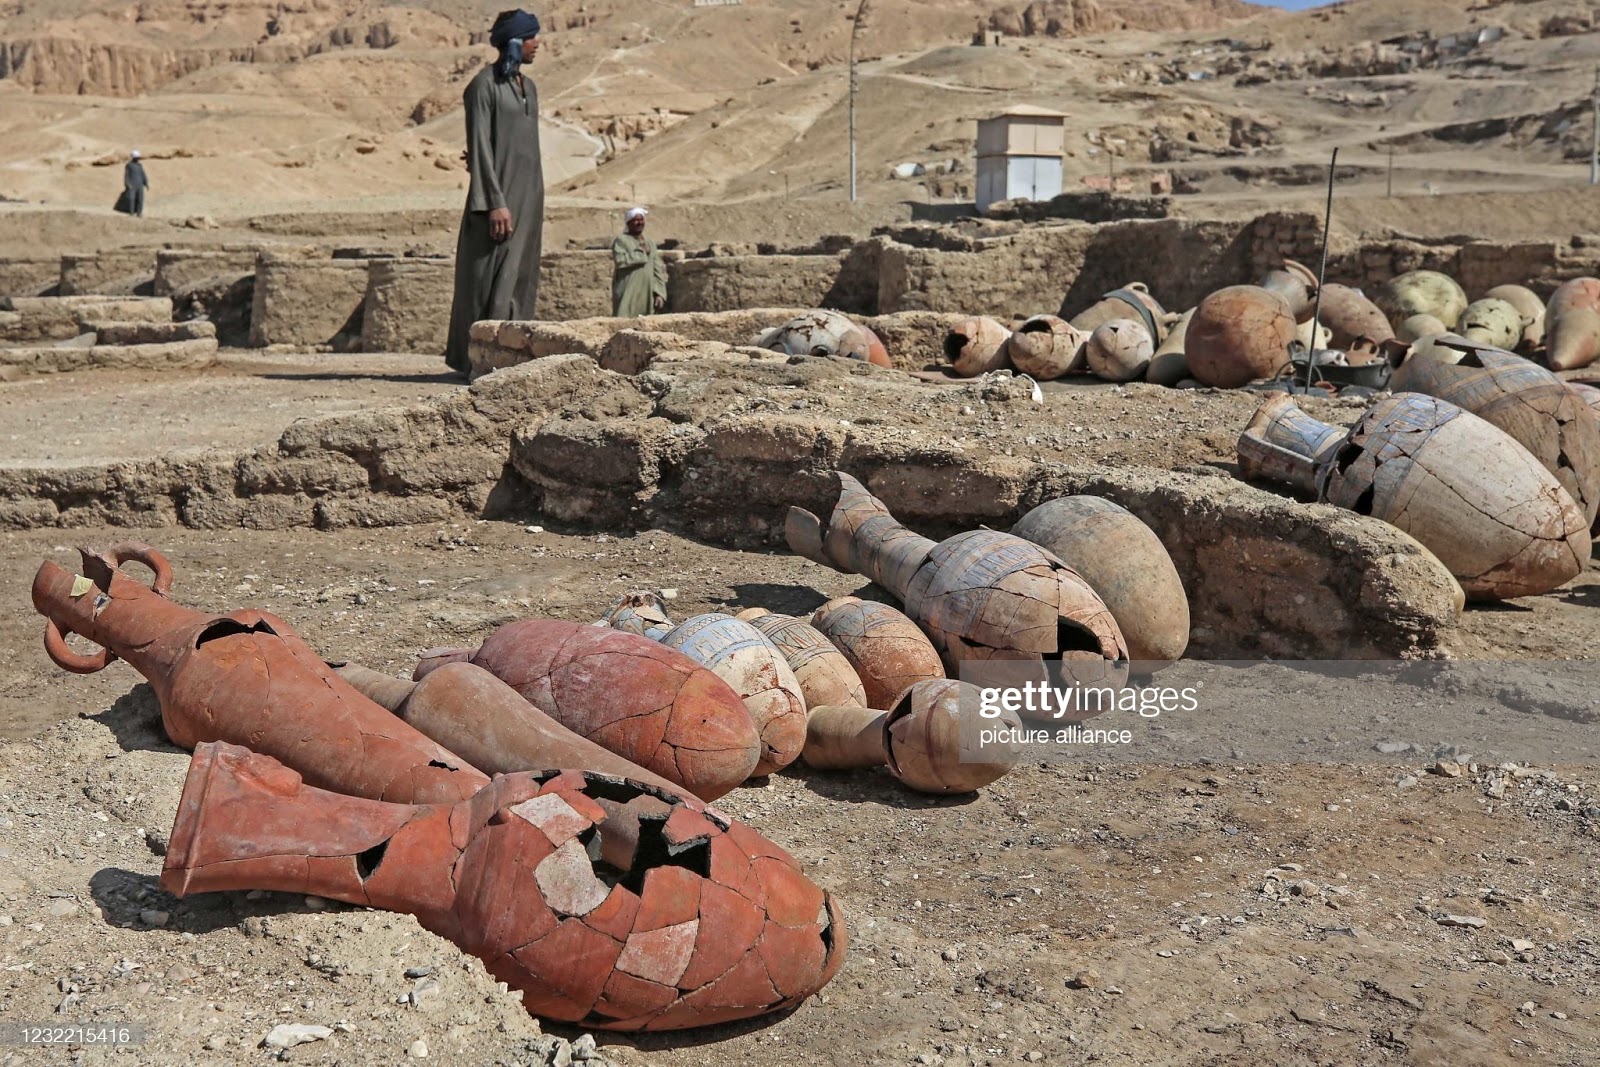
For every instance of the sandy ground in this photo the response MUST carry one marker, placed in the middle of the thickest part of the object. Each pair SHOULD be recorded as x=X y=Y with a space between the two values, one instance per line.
x=1249 y=910
x=1261 y=884
x=246 y=400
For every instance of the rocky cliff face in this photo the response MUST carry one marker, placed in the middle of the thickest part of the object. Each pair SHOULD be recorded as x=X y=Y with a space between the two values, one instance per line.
x=1069 y=18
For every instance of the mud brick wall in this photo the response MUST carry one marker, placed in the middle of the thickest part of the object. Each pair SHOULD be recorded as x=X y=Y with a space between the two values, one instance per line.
x=181 y=269
x=574 y=285
x=914 y=339
x=727 y=283
x=1013 y=276
x=59 y=318
x=1180 y=261
x=117 y=272
x=563 y=438
x=1265 y=575
x=407 y=306
x=307 y=301
x=29 y=277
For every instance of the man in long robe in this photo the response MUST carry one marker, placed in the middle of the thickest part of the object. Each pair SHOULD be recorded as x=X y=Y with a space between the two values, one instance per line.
x=638 y=276
x=134 y=183
x=497 y=253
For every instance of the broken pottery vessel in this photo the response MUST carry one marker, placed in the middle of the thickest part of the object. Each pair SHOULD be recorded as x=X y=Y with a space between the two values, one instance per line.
x=1119 y=350
x=1470 y=494
x=640 y=613
x=1530 y=307
x=1421 y=292
x=1125 y=563
x=981 y=595
x=1526 y=401
x=1046 y=347
x=919 y=739
x=1572 y=325
x=1492 y=322
x=826 y=333
x=707 y=923
x=1296 y=290
x=1132 y=301
x=1238 y=335
x=1587 y=393
x=245 y=677
x=976 y=346
x=470 y=711
x=888 y=652
x=740 y=655
x=825 y=675
x=645 y=702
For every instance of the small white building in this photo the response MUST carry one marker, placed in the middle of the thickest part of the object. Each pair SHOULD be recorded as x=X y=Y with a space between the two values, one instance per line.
x=1019 y=155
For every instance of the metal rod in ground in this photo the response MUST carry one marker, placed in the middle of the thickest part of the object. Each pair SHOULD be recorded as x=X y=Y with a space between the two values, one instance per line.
x=1322 y=273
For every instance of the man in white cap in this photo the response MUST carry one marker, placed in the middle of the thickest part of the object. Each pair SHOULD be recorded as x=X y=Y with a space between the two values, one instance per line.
x=639 y=277
x=134 y=183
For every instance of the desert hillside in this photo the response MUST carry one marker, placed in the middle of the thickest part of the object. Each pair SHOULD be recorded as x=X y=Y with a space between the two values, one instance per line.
x=247 y=108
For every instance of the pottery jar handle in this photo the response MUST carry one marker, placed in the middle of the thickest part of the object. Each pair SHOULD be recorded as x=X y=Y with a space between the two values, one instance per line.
x=55 y=646
x=139 y=552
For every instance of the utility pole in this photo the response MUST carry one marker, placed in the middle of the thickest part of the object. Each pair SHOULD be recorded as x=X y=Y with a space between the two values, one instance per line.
x=855 y=29
x=1594 y=149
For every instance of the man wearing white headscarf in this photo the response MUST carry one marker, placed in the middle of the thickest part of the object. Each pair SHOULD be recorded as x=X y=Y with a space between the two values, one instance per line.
x=638 y=276
x=502 y=228
x=134 y=183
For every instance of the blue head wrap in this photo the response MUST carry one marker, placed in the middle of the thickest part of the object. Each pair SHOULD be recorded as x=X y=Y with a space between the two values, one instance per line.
x=510 y=30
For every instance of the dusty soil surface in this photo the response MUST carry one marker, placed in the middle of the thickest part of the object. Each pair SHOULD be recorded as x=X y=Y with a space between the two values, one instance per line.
x=1249 y=909
x=247 y=399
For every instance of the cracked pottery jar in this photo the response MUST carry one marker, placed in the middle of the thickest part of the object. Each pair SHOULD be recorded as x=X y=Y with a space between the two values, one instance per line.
x=888 y=652
x=468 y=710
x=1351 y=318
x=1587 y=393
x=1529 y=403
x=246 y=677
x=1126 y=564
x=1132 y=301
x=706 y=922
x=1463 y=488
x=1530 y=307
x=825 y=675
x=1239 y=335
x=742 y=656
x=645 y=702
x=1572 y=325
x=1421 y=292
x=928 y=740
x=1119 y=350
x=1491 y=322
x=1046 y=348
x=976 y=346
x=980 y=596
x=1170 y=363
x=640 y=613
x=826 y=333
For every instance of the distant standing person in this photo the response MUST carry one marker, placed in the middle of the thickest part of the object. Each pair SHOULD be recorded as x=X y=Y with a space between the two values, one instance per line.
x=134 y=183
x=497 y=254
x=638 y=277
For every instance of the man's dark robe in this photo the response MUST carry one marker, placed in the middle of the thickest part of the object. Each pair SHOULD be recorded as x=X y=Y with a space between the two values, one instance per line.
x=498 y=280
x=134 y=183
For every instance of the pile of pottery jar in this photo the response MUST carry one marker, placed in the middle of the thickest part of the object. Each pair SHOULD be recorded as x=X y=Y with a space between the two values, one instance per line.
x=541 y=800
x=1250 y=333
